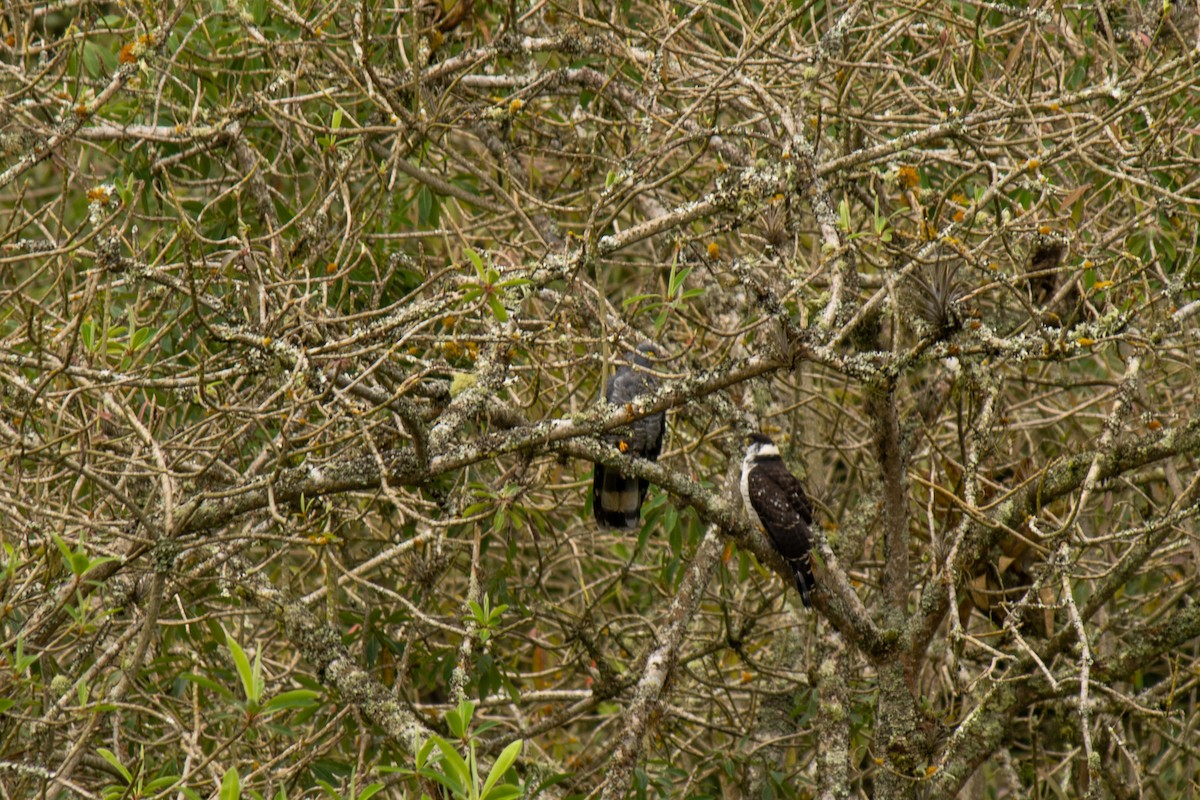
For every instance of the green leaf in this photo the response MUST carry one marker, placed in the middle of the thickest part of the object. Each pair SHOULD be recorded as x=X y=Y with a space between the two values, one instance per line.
x=451 y=783
x=116 y=764
x=160 y=783
x=505 y=791
x=423 y=753
x=369 y=791
x=428 y=208
x=258 y=678
x=498 y=309
x=124 y=191
x=459 y=719
x=503 y=762
x=670 y=519
x=477 y=261
x=844 y=215
x=454 y=762
x=139 y=338
x=89 y=564
x=297 y=698
x=244 y=670
x=637 y=298
x=337 y=119
x=486 y=726
x=62 y=548
x=551 y=780
x=677 y=280
x=91 y=58
x=231 y=788
x=207 y=683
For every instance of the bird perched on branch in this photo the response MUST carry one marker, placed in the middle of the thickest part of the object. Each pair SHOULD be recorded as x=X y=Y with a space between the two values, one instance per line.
x=617 y=499
x=775 y=500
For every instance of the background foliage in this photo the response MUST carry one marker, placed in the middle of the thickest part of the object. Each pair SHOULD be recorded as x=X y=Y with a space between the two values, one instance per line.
x=305 y=308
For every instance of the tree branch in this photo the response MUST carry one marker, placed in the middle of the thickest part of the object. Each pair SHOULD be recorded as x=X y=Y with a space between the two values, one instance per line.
x=641 y=713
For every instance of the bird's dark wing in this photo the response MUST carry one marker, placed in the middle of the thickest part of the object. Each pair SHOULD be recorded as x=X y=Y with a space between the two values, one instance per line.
x=797 y=498
x=783 y=509
x=617 y=392
x=657 y=424
x=617 y=499
x=645 y=436
x=627 y=383
x=782 y=506
x=611 y=388
x=642 y=437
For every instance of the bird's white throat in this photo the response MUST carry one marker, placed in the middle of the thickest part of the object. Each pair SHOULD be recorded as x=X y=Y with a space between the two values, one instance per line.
x=761 y=450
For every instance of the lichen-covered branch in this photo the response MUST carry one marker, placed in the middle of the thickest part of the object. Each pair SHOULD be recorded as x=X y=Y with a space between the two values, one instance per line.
x=658 y=668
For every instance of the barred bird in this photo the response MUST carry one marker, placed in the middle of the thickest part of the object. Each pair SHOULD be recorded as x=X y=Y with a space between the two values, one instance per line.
x=617 y=499
x=775 y=500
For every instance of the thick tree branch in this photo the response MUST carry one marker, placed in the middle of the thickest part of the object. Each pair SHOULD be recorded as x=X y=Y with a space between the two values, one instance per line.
x=660 y=665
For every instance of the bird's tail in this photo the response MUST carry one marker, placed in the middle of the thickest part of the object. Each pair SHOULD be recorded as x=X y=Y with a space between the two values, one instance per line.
x=805 y=580
x=616 y=499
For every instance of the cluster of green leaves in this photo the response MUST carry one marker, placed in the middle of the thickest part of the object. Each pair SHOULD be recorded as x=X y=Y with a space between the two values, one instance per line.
x=454 y=764
x=457 y=768
x=139 y=778
x=674 y=296
x=486 y=617
x=115 y=341
x=489 y=286
x=254 y=686
x=880 y=223
x=77 y=559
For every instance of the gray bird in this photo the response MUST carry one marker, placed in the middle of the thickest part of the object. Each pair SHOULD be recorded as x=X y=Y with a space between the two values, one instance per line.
x=775 y=500
x=617 y=499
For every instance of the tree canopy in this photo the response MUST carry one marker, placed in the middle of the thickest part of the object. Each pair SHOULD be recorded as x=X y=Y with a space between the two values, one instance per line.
x=305 y=313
